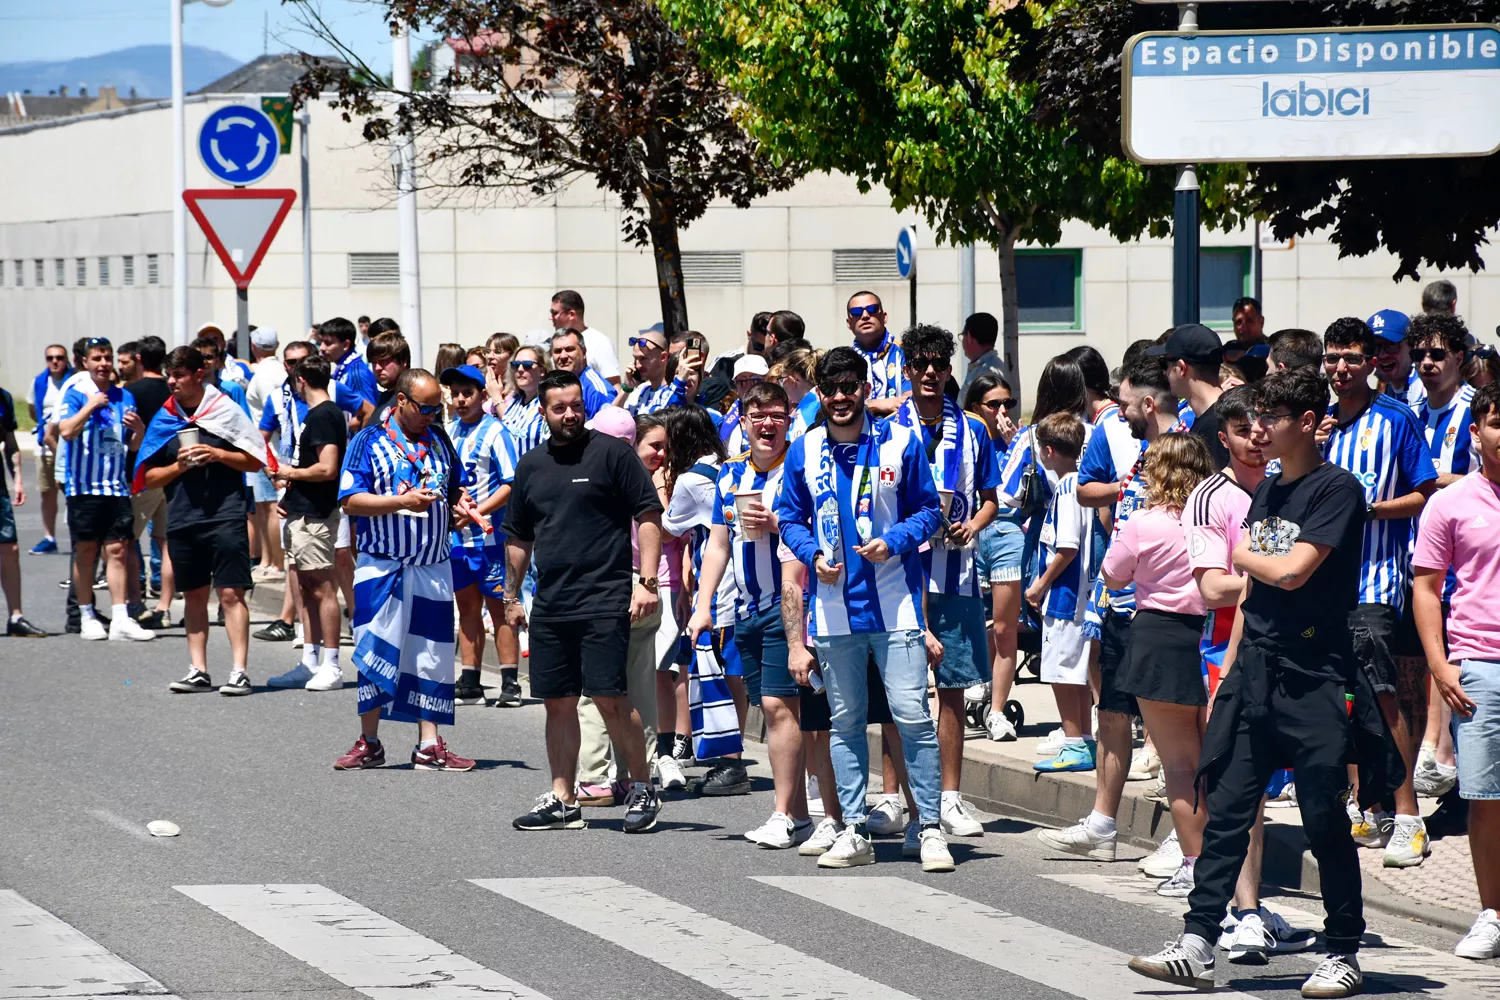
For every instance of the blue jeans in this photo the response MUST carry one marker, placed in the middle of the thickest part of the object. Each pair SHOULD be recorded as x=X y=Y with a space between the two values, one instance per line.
x=901 y=658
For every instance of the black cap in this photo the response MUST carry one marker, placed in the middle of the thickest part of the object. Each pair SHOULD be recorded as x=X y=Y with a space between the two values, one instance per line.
x=1191 y=342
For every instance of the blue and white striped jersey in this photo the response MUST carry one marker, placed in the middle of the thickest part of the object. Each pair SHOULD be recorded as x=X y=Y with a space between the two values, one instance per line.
x=732 y=431
x=1109 y=457
x=887 y=368
x=285 y=411
x=98 y=463
x=1018 y=460
x=1386 y=450
x=1068 y=525
x=381 y=461
x=1447 y=432
x=756 y=567
x=352 y=371
x=527 y=426
x=597 y=392
x=690 y=516
x=805 y=417
x=833 y=496
x=487 y=453
x=645 y=399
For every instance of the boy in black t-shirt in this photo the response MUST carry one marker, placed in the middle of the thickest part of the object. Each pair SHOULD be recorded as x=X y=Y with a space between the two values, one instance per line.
x=1282 y=700
x=310 y=508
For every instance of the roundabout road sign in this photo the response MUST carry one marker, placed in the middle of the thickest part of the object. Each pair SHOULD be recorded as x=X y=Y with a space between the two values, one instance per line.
x=238 y=144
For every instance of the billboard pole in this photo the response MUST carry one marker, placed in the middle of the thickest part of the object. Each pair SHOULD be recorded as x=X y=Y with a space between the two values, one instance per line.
x=1185 y=224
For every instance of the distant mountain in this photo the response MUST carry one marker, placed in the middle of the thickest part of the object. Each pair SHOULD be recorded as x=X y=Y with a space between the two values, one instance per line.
x=147 y=68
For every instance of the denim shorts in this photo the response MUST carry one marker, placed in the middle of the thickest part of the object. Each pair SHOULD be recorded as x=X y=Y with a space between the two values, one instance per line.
x=261 y=489
x=958 y=623
x=1476 y=740
x=999 y=559
x=761 y=642
x=7 y=520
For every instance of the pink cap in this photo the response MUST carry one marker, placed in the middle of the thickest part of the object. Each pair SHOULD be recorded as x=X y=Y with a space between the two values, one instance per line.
x=615 y=421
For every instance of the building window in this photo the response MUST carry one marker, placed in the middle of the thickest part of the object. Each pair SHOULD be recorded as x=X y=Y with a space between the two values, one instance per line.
x=81 y=267
x=60 y=271
x=713 y=267
x=103 y=272
x=374 y=269
x=20 y=271
x=858 y=267
x=1223 y=276
x=127 y=269
x=39 y=272
x=1049 y=290
x=153 y=269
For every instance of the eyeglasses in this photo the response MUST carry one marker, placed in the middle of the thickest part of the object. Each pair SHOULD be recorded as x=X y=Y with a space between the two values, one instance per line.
x=936 y=363
x=1419 y=354
x=1268 y=419
x=522 y=365
x=748 y=380
x=774 y=417
x=855 y=312
x=996 y=404
x=832 y=389
x=57 y=357
x=1351 y=358
x=645 y=342
x=427 y=411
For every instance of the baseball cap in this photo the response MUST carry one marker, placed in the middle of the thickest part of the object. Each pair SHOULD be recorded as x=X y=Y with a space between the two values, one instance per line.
x=655 y=328
x=1191 y=342
x=615 y=421
x=203 y=330
x=1390 y=325
x=264 y=337
x=462 y=373
x=1249 y=349
x=750 y=364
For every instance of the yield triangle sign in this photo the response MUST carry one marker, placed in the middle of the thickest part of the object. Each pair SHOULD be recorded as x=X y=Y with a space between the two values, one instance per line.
x=240 y=224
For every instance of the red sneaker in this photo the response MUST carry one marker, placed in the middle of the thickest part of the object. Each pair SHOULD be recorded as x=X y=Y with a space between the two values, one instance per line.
x=439 y=758
x=362 y=755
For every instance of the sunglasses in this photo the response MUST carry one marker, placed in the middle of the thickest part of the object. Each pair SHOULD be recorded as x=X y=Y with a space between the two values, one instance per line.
x=644 y=342
x=96 y=342
x=1418 y=354
x=57 y=357
x=855 y=312
x=427 y=411
x=996 y=404
x=1268 y=419
x=832 y=389
x=935 y=363
x=1353 y=359
x=520 y=365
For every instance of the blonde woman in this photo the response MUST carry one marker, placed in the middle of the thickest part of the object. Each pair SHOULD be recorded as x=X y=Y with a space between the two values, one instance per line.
x=1164 y=669
x=794 y=373
x=522 y=415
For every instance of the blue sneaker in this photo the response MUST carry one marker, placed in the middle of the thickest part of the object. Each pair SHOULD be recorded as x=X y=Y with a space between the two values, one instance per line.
x=46 y=547
x=1079 y=757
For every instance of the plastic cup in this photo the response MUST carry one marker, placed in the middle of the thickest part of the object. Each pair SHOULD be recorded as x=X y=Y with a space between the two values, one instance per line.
x=742 y=501
x=187 y=437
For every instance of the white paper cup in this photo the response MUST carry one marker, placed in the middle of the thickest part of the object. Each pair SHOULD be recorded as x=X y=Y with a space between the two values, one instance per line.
x=742 y=501
x=187 y=437
x=945 y=500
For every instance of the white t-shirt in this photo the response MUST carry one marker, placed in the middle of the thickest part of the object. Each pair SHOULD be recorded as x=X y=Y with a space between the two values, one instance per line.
x=599 y=347
x=269 y=376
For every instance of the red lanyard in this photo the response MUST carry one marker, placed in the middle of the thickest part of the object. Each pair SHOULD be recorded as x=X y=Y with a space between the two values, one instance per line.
x=415 y=458
x=1180 y=427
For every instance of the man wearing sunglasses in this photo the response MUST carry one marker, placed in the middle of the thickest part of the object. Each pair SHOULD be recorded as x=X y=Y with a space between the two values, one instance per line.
x=889 y=385
x=1392 y=362
x=44 y=399
x=1437 y=344
x=653 y=392
x=857 y=503
x=570 y=354
x=1380 y=441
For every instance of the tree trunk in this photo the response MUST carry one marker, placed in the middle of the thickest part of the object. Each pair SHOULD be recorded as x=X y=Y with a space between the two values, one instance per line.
x=662 y=225
x=1010 y=312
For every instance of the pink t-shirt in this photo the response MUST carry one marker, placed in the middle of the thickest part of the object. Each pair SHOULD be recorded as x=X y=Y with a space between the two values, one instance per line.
x=1458 y=529
x=1213 y=520
x=1151 y=549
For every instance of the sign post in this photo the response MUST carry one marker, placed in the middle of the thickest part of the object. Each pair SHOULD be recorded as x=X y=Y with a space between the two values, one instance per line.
x=906 y=263
x=1186 y=229
x=240 y=224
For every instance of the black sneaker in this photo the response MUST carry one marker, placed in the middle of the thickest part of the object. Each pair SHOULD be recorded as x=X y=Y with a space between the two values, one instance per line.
x=155 y=620
x=238 y=685
x=196 y=680
x=682 y=750
x=23 y=629
x=467 y=691
x=277 y=631
x=642 y=806
x=726 y=779
x=510 y=687
x=551 y=813
x=74 y=626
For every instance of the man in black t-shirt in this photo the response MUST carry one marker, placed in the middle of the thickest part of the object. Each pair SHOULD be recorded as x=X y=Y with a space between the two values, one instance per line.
x=310 y=508
x=203 y=476
x=573 y=501
x=1194 y=355
x=151 y=391
x=1282 y=699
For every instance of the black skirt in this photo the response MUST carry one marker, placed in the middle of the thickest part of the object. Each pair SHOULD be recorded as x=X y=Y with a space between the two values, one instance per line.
x=1164 y=663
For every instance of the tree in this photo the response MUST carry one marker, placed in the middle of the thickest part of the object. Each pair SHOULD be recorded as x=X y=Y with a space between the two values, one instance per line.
x=548 y=91
x=1435 y=212
x=916 y=95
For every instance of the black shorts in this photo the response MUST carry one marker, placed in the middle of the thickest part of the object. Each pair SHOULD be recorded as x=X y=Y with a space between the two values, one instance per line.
x=1372 y=631
x=216 y=553
x=1114 y=648
x=817 y=717
x=572 y=658
x=1163 y=662
x=100 y=519
x=1407 y=642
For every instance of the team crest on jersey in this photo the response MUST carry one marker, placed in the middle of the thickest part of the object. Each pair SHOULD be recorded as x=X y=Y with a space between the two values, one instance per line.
x=887 y=475
x=828 y=520
x=890 y=369
x=1274 y=536
x=729 y=514
x=1450 y=437
x=1366 y=438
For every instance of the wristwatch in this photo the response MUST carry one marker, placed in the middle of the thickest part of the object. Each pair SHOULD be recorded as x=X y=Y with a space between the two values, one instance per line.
x=1369 y=512
x=649 y=582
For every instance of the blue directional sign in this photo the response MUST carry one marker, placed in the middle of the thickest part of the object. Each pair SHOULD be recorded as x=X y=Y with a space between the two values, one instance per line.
x=238 y=144
x=906 y=252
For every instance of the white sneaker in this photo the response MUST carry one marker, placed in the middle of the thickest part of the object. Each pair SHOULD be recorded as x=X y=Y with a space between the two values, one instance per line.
x=935 y=854
x=297 y=640
x=1079 y=839
x=1251 y=942
x=848 y=851
x=823 y=837
x=775 y=833
x=1051 y=744
x=1179 y=885
x=1158 y=790
x=1483 y=939
x=999 y=727
x=1335 y=976
x=977 y=692
x=1431 y=779
x=671 y=773
x=293 y=678
x=92 y=629
x=1184 y=962
x=911 y=842
x=958 y=820
x=814 y=796
x=1144 y=764
x=1163 y=861
x=888 y=817
x=1408 y=846
x=129 y=630
x=329 y=678
x=1373 y=828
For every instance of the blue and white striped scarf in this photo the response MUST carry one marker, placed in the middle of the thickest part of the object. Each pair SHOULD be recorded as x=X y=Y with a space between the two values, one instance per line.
x=403 y=639
x=716 y=724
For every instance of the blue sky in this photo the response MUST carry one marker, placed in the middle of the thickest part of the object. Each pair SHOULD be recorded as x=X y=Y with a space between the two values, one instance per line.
x=48 y=30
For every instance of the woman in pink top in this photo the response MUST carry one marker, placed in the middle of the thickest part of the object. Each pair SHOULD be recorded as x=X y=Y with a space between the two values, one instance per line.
x=1163 y=668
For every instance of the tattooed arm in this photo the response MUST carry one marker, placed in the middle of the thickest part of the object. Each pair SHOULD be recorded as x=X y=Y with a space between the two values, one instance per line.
x=799 y=658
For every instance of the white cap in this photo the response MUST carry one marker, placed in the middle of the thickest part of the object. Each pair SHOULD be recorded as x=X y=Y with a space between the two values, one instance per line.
x=203 y=330
x=264 y=337
x=750 y=364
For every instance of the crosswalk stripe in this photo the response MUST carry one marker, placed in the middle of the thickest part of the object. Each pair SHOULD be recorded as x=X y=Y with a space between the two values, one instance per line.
x=717 y=954
x=980 y=933
x=41 y=956
x=356 y=946
x=1431 y=972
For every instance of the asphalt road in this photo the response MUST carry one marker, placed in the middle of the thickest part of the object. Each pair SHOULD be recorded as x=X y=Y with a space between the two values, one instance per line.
x=291 y=880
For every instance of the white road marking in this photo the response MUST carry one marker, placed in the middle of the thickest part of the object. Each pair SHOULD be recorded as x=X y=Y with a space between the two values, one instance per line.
x=355 y=945
x=41 y=956
x=1446 y=976
x=980 y=933
x=717 y=954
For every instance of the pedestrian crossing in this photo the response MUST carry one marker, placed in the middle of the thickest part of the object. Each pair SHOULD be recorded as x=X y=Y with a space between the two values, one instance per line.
x=43 y=956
